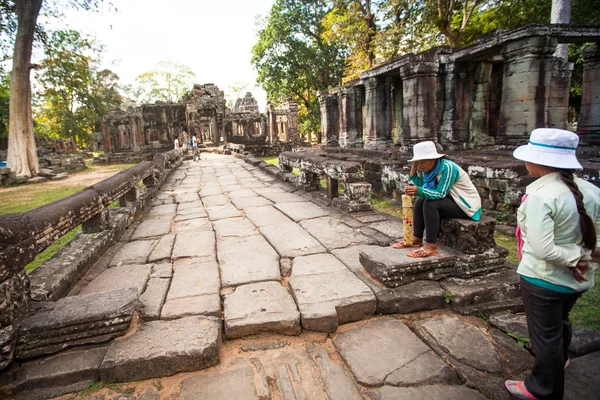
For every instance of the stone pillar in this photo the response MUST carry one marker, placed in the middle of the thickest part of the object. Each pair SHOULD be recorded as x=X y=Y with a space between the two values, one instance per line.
x=271 y=123
x=588 y=126
x=329 y=119
x=97 y=223
x=377 y=134
x=350 y=103
x=106 y=131
x=213 y=129
x=134 y=135
x=526 y=88
x=419 y=101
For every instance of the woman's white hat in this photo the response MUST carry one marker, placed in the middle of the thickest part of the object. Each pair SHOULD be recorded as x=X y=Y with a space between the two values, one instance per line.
x=425 y=151
x=551 y=148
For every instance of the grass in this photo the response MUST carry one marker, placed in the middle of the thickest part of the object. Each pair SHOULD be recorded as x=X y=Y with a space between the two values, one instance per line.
x=52 y=249
x=97 y=386
x=510 y=244
x=385 y=206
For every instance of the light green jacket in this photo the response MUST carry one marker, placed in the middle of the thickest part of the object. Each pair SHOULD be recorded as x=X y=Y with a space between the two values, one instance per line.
x=549 y=223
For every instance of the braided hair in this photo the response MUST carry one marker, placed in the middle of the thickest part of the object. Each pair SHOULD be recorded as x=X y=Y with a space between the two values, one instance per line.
x=588 y=229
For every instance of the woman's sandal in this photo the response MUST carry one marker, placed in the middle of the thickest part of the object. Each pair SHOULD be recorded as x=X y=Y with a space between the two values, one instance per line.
x=422 y=253
x=403 y=245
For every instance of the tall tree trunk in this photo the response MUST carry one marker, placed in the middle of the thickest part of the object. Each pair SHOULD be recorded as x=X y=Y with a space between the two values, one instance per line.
x=561 y=14
x=22 y=153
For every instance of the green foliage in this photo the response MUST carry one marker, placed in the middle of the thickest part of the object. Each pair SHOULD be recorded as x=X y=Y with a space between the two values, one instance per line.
x=484 y=316
x=76 y=92
x=52 y=249
x=293 y=60
x=168 y=82
x=521 y=340
x=4 y=101
x=585 y=312
x=510 y=244
x=447 y=296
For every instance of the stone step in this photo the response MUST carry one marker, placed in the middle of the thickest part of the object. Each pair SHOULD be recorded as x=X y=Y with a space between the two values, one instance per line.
x=76 y=320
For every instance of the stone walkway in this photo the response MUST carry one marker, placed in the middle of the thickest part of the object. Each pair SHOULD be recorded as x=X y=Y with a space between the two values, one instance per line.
x=258 y=290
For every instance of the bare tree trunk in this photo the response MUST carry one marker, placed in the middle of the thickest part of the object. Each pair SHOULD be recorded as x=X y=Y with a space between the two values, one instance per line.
x=561 y=14
x=22 y=153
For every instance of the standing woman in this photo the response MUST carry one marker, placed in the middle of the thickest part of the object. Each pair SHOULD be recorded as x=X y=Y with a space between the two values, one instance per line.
x=444 y=190
x=559 y=222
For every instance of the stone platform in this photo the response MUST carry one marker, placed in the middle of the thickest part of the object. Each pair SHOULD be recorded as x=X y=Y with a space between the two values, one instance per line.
x=248 y=289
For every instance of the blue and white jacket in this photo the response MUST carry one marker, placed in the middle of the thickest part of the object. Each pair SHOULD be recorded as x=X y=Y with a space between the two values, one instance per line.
x=452 y=180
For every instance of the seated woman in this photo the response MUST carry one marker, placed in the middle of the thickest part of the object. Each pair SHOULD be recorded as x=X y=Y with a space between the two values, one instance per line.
x=444 y=190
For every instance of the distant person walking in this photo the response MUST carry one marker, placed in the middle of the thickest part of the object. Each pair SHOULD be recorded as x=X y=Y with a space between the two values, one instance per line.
x=176 y=143
x=557 y=234
x=444 y=190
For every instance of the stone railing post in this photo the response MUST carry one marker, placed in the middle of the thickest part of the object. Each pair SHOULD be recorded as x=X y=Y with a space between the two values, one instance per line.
x=330 y=129
x=377 y=135
x=350 y=103
x=97 y=223
x=589 y=116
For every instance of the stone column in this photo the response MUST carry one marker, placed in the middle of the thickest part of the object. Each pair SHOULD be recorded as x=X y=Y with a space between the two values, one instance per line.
x=589 y=115
x=214 y=132
x=271 y=123
x=350 y=103
x=133 y=134
x=526 y=88
x=377 y=134
x=419 y=101
x=330 y=133
x=106 y=130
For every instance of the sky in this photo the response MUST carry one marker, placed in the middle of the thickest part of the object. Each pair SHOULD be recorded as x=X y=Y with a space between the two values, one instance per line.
x=214 y=38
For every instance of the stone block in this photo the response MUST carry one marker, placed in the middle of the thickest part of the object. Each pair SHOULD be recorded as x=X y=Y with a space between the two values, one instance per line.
x=76 y=320
x=468 y=236
x=247 y=260
x=290 y=240
x=153 y=298
x=260 y=307
x=334 y=234
x=302 y=210
x=223 y=212
x=152 y=228
x=235 y=227
x=124 y=276
x=194 y=245
x=162 y=250
x=426 y=392
x=136 y=252
x=163 y=348
x=336 y=381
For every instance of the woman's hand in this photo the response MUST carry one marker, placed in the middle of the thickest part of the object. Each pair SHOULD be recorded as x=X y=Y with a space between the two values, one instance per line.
x=413 y=168
x=411 y=190
x=580 y=270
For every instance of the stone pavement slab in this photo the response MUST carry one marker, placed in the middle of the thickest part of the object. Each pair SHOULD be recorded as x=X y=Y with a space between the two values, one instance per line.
x=390 y=227
x=328 y=294
x=425 y=393
x=290 y=240
x=246 y=202
x=186 y=197
x=385 y=351
x=239 y=194
x=282 y=196
x=260 y=307
x=135 y=252
x=333 y=234
x=152 y=228
x=218 y=200
x=222 y=212
x=124 y=276
x=581 y=378
x=207 y=305
x=162 y=250
x=265 y=216
x=338 y=384
x=193 y=225
x=192 y=277
x=193 y=214
x=210 y=191
x=246 y=260
x=235 y=383
x=465 y=343
x=162 y=210
x=184 y=208
x=153 y=298
x=163 y=348
x=194 y=244
x=301 y=210
x=235 y=227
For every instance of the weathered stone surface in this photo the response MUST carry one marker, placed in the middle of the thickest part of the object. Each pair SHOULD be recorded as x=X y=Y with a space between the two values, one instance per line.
x=260 y=307
x=262 y=346
x=136 y=252
x=236 y=383
x=302 y=210
x=222 y=212
x=59 y=374
x=152 y=227
x=265 y=216
x=162 y=250
x=386 y=351
x=468 y=236
x=333 y=234
x=246 y=202
x=290 y=240
x=246 y=260
x=515 y=358
x=76 y=320
x=390 y=227
x=282 y=197
x=425 y=393
x=328 y=294
x=465 y=343
x=212 y=201
x=581 y=378
x=166 y=209
x=207 y=305
x=336 y=381
x=235 y=227
x=368 y=217
x=124 y=276
x=153 y=298
x=186 y=197
x=239 y=194
x=191 y=215
x=509 y=322
x=194 y=244
x=584 y=341
x=209 y=191
x=163 y=348
x=193 y=225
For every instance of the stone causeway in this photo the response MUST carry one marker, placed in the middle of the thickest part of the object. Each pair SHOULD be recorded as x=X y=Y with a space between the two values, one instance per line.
x=237 y=285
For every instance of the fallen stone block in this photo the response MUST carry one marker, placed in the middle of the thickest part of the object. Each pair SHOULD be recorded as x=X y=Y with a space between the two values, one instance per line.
x=260 y=307
x=163 y=348
x=468 y=236
x=76 y=320
x=328 y=294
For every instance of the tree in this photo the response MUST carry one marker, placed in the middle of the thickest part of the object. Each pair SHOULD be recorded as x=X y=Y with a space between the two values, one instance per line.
x=22 y=152
x=76 y=92
x=4 y=102
x=168 y=81
x=293 y=60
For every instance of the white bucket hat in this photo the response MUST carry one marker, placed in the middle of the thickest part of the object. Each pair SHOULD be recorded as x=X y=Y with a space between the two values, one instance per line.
x=551 y=148
x=425 y=151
